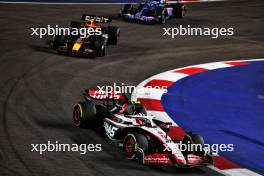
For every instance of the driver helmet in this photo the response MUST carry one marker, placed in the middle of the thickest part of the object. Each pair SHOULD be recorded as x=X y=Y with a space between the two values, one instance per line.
x=135 y=108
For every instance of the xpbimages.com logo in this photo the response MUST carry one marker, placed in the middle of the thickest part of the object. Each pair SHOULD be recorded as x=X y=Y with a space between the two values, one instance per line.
x=207 y=148
x=131 y=89
x=197 y=31
x=60 y=147
x=51 y=31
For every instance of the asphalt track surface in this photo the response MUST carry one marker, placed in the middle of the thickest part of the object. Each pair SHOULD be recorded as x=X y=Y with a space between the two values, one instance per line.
x=39 y=87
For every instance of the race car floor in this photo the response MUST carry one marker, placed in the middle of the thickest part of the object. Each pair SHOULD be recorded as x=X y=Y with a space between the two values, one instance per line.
x=38 y=87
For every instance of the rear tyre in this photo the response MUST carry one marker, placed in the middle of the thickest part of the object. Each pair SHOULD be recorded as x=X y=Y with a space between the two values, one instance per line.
x=56 y=41
x=179 y=10
x=113 y=33
x=134 y=142
x=160 y=13
x=84 y=114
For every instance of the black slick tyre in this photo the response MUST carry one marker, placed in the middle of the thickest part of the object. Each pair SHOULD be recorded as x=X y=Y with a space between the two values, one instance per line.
x=84 y=114
x=179 y=10
x=134 y=142
x=113 y=33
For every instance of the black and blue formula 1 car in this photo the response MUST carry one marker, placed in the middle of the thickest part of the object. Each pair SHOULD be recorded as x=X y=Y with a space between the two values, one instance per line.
x=153 y=12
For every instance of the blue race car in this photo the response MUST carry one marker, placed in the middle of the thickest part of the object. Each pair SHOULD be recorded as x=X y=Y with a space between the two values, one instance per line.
x=153 y=12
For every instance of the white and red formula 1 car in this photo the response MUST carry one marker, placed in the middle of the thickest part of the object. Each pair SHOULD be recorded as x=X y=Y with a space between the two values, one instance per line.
x=143 y=137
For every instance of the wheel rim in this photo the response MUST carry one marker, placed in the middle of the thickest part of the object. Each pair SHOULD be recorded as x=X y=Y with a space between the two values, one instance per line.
x=77 y=115
x=130 y=147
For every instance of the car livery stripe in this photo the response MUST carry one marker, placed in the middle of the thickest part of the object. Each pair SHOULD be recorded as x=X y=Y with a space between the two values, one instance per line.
x=154 y=106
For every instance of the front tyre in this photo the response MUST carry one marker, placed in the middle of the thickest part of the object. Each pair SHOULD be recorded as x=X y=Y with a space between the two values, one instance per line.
x=84 y=114
x=192 y=138
x=100 y=47
x=134 y=142
x=57 y=40
x=101 y=52
x=179 y=10
x=113 y=33
x=163 y=18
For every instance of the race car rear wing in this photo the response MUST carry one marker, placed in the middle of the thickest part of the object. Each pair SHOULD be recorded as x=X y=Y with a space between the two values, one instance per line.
x=98 y=19
x=103 y=95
